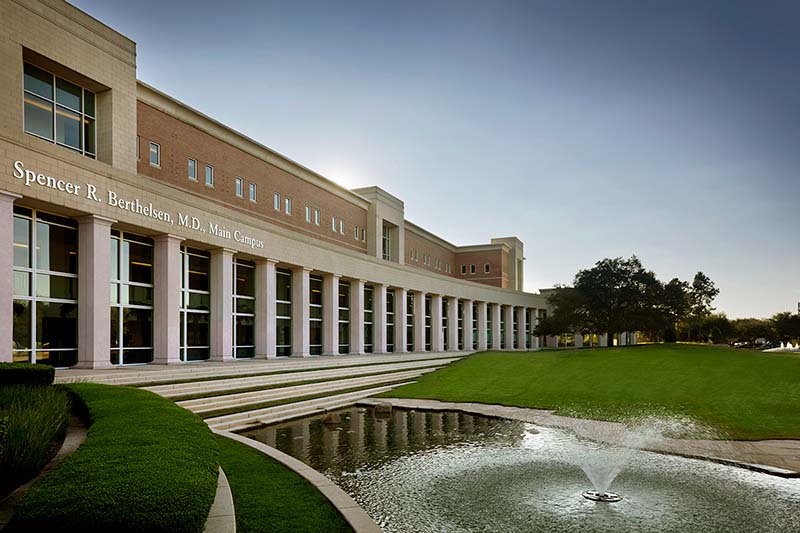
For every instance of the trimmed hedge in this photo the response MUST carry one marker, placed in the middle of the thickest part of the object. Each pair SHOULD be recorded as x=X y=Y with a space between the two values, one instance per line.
x=26 y=374
x=146 y=465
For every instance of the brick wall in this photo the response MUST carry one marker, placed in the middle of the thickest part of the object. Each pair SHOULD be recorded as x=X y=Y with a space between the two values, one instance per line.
x=180 y=141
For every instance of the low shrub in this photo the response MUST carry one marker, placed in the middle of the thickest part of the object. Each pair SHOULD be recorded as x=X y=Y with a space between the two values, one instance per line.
x=33 y=421
x=146 y=465
x=26 y=374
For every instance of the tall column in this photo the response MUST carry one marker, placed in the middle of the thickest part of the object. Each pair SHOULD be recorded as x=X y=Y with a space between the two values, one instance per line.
x=579 y=340
x=482 y=326
x=379 y=317
x=266 y=328
x=522 y=328
x=301 y=317
x=452 y=324
x=534 y=322
x=495 y=326
x=419 y=322
x=167 y=273
x=509 y=317
x=400 y=323
x=357 y=317
x=468 y=325
x=330 y=314
x=221 y=304
x=94 y=292
x=437 y=333
x=603 y=339
x=7 y=279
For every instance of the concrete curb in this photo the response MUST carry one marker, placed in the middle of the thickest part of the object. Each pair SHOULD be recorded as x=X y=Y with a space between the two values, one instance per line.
x=222 y=515
x=358 y=519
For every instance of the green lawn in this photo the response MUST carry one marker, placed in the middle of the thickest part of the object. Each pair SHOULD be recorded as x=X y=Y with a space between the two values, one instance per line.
x=741 y=393
x=268 y=497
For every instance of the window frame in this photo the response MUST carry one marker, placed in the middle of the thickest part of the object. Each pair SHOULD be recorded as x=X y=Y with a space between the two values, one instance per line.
x=239 y=187
x=487 y=268
x=252 y=192
x=211 y=168
x=157 y=146
x=287 y=205
x=276 y=201
x=192 y=172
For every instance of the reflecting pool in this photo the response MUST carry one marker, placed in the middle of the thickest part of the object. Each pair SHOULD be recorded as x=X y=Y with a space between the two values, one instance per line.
x=423 y=471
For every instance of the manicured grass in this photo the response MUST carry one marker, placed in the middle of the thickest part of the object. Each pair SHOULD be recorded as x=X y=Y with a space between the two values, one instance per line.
x=33 y=421
x=268 y=497
x=146 y=465
x=743 y=394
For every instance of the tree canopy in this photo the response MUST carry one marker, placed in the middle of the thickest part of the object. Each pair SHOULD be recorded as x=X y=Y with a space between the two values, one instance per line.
x=620 y=294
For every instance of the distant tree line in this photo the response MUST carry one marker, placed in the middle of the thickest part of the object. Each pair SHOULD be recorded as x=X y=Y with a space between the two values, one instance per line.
x=618 y=295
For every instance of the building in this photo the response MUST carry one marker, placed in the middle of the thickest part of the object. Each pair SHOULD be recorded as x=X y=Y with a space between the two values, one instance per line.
x=139 y=230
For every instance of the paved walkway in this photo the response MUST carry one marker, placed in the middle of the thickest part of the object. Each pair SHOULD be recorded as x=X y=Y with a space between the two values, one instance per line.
x=776 y=457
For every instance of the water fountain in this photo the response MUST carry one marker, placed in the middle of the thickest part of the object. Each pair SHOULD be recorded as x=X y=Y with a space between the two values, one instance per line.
x=447 y=471
x=788 y=347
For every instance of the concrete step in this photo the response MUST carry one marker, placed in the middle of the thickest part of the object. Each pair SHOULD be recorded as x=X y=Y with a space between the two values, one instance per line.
x=209 y=388
x=159 y=374
x=270 y=415
x=204 y=406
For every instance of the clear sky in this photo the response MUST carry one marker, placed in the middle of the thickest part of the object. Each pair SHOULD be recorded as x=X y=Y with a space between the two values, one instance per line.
x=589 y=129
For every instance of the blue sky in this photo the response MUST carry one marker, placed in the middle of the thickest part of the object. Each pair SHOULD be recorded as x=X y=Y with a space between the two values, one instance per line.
x=589 y=129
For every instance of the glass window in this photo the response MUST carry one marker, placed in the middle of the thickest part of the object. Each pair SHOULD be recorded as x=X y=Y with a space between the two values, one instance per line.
x=283 y=313
x=288 y=205
x=463 y=269
x=308 y=214
x=37 y=81
x=244 y=287
x=155 y=154
x=209 y=175
x=131 y=298
x=316 y=217
x=276 y=201
x=59 y=111
x=341 y=226
x=387 y=243
x=344 y=317
x=315 y=315
x=472 y=269
x=486 y=268
x=45 y=286
x=333 y=223
x=355 y=232
x=195 y=319
x=239 y=187
x=368 y=317
x=192 y=169
x=252 y=192
x=363 y=235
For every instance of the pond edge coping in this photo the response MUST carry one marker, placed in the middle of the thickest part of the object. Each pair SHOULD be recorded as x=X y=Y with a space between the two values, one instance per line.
x=546 y=418
x=356 y=517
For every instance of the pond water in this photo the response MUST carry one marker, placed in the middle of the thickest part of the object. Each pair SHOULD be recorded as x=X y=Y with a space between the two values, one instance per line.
x=422 y=471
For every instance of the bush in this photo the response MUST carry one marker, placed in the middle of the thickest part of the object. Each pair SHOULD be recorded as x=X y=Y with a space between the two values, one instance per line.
x=26 y=374
x=146 y=465
x=33 y=421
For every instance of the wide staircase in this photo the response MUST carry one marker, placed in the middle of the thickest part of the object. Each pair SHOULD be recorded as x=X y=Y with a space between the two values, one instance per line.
x=239 y=395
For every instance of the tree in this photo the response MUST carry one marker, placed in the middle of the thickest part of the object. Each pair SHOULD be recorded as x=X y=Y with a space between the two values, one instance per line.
x=786 y=326
x=750 y=329
x=677 y=304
